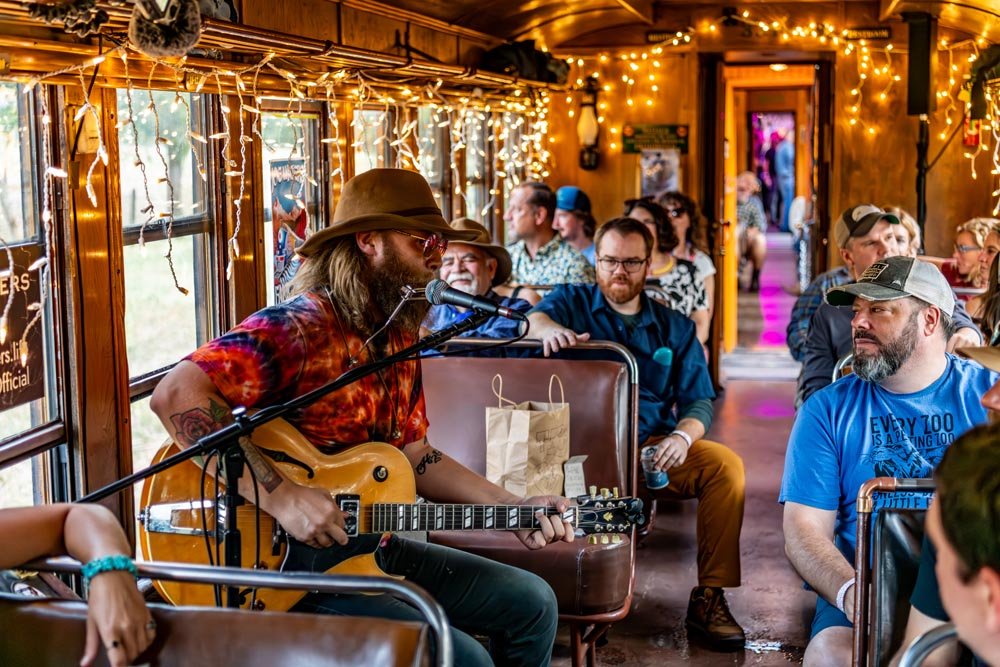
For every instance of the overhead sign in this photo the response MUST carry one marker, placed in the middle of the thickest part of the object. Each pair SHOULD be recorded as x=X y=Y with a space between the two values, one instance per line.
x=879 y=32
x=21 y=382
x=637 y=137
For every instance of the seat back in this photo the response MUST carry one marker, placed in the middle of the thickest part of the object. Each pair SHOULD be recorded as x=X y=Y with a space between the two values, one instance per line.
x=206 y=636
x=600 y=395
x=896 y=546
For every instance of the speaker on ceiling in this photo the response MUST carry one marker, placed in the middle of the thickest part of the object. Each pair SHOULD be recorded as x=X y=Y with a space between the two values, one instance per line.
x=920 y=98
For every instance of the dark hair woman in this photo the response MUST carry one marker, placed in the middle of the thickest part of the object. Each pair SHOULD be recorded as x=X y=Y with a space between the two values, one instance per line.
x=692 y=230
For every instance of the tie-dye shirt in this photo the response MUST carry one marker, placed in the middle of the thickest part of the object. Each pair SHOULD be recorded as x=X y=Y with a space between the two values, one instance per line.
x=289 y=349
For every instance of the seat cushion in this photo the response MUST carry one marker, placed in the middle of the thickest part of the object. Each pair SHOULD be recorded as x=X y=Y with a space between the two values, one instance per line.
x=587 y=578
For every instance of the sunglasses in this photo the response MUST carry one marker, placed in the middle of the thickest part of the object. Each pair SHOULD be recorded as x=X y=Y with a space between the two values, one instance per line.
x=967 y=248
x=435 y=243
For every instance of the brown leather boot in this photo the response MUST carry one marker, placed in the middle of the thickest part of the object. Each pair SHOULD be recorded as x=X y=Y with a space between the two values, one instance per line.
x=709 y=618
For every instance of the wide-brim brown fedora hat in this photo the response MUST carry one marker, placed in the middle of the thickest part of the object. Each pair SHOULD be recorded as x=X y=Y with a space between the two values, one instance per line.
x=484 y=240
x=384 y=199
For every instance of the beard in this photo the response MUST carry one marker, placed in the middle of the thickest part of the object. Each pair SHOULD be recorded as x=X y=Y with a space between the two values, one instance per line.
x=471 y=278
x=386 y=283
x=621 y=289
x=890 y=357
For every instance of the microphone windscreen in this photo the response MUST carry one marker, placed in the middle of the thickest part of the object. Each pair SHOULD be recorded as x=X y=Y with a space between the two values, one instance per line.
x=163 y=38
x=435 y=290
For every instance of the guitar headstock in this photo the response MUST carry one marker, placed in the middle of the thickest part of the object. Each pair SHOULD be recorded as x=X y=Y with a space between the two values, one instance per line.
x=605 y=513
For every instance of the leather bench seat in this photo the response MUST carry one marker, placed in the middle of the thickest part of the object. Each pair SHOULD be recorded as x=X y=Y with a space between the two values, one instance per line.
x=586 y=578
x=52 y=632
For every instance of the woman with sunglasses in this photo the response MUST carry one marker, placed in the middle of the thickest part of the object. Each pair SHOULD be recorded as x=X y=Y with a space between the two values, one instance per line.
x=692 y=229
x=677 y=279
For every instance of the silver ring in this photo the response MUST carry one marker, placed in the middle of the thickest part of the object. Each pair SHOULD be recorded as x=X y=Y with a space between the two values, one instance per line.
x=151 y=625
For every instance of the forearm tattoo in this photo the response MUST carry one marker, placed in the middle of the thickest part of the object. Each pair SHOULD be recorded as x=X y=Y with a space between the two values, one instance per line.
x=194 y=424
x=267 y=475
x=430 y=458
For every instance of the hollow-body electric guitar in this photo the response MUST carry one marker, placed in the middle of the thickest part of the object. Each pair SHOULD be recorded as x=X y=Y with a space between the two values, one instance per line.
x=374 y=487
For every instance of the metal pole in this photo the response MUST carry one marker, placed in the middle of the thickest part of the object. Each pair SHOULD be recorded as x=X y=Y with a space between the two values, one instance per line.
x=923 y=141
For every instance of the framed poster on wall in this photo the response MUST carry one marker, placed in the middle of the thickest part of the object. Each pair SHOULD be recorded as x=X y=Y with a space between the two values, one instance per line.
x=659 y=171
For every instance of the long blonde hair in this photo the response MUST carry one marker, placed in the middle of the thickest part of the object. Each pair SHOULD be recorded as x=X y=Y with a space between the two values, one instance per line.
x=338 y=268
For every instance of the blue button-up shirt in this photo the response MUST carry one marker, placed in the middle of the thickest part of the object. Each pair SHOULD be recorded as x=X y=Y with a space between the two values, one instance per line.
x=662 y=387
x=445 y=315
x=808 y=303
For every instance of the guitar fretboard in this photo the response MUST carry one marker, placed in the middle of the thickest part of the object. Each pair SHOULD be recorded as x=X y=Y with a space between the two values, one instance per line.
x=388 y=517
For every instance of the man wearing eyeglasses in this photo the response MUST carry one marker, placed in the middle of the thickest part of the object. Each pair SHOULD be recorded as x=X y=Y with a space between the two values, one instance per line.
x=675 y=408
x=386 y=233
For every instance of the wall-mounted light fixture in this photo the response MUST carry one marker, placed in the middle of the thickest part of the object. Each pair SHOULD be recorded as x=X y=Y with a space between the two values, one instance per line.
x=587 y=127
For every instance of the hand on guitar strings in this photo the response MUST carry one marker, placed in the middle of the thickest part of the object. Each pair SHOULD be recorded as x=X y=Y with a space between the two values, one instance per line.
x=551 y=528
x=309 y=515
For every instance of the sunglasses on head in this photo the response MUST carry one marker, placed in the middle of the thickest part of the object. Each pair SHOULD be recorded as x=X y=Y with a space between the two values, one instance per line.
x=431 y=244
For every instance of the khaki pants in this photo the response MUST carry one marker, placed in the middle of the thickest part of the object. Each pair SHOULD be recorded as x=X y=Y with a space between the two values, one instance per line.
x=714 y=475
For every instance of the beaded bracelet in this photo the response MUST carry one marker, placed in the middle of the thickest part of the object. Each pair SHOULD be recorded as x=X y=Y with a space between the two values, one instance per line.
x=113 y=563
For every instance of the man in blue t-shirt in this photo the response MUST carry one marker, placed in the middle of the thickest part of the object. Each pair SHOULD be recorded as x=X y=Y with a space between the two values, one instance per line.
x=907 y=400
x=675 y=407
x=476 y=267
x=927 y=611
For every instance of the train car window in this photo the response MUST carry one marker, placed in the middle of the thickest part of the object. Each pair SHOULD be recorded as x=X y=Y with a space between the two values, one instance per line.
x=477 y=166
x=33 y=481
x=171 y=302
x=513 y=153
x=371 y=139
x=291 y=177
x=432 y=145
x=30 y=409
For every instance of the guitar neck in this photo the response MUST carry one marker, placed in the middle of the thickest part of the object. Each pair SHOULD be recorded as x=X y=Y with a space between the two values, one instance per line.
x=389 y=517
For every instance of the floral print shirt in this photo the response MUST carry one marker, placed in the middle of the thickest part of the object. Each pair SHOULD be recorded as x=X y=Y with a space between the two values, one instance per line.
x=555 y=263
x=289 y=349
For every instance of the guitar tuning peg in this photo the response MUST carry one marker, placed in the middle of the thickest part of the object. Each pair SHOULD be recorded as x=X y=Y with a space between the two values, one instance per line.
x=605 y=493
x=604 y=539
x=592 y=539
x=593 y=490
x=614 y=492
x=616 y=539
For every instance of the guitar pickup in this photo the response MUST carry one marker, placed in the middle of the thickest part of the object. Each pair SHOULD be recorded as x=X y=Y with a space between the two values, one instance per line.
x=350 y=506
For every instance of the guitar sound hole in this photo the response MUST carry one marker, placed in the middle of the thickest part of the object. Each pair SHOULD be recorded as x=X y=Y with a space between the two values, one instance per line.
x=381 y=473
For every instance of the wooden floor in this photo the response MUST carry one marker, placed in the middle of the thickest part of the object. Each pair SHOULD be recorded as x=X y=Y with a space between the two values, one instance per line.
x=753 y=418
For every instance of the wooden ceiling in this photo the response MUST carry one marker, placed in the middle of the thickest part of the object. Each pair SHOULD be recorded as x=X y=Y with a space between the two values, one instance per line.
x=564 y=24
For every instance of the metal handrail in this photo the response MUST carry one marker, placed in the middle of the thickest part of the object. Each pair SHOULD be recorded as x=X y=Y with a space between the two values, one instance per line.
x=323 y=583
x=862 y=571
x=921 y=647
x=842 y=363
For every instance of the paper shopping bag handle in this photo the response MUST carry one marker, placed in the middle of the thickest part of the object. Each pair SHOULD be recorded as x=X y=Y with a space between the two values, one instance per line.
x=497 y=386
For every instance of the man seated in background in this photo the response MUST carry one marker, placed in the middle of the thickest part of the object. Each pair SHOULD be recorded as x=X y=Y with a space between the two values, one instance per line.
x=926 y=608
x=865 y=234
x=539 y=256
x=905 y=403
x=675 y=408
x=476 y=266
x=574 y=220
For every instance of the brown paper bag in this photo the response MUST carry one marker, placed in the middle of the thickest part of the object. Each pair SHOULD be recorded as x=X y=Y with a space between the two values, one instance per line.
x=527 y=443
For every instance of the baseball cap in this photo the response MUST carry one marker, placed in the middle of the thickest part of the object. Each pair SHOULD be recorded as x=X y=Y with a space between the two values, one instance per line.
x=858 y=221
x=572 y=198
x=986 y=356
x=894 y=278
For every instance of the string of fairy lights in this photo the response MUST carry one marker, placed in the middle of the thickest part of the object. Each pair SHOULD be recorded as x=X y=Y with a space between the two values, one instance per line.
x=509 y=129
x=635 y=78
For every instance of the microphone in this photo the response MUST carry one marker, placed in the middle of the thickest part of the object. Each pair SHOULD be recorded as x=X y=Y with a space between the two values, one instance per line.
x=438 y=292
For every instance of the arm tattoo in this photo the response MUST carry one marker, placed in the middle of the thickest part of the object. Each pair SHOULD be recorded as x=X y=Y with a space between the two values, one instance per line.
x=266 y=474
x=430 y=458
x=196 y=423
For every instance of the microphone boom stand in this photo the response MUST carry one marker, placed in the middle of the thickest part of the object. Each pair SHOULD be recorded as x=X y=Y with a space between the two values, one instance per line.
x=226 y=440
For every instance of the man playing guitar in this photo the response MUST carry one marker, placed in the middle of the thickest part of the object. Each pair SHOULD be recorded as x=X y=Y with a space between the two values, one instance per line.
x=387 y=232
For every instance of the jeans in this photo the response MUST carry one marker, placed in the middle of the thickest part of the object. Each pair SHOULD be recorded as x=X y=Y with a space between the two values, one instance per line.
x=515 y=609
